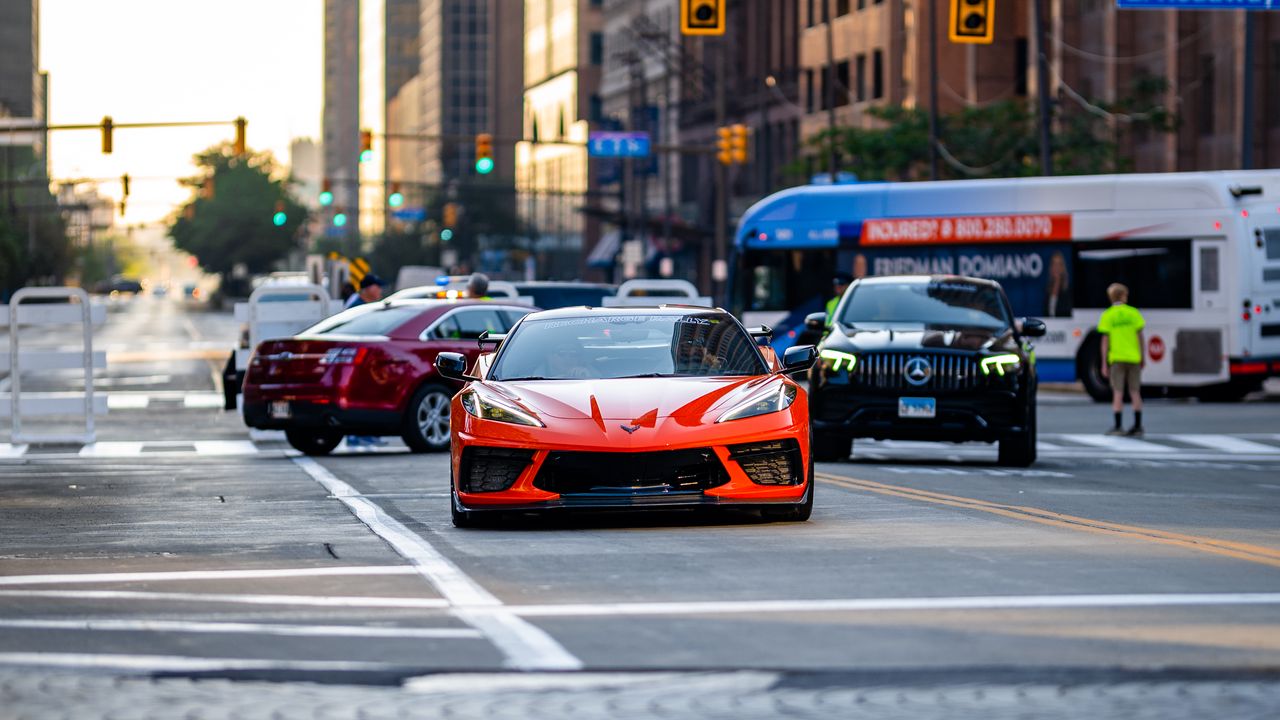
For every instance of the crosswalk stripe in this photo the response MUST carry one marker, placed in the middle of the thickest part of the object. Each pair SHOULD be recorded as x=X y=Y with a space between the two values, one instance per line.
x=111 y=449
x=1121 y=444
x=1227 y=443
x=117 y=401
x=8 y=450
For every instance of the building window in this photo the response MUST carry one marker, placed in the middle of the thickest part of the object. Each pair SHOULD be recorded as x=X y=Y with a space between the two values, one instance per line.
x=877 y=75
x=810 y=18
x=1273 y=82
x=860 y=86
x=808 y=90
x=1022 y=62
x=597 y=48
x=842 y=83
x=1207 y=92
x=842 y=7
x=596 y=108
x=862 y=4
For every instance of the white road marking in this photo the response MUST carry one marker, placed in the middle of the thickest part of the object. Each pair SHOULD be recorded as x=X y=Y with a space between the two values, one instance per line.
x=179 y=663
x=237 y=628
x=242 y=599
x=118 y=401
x=525 y=646
x=12 y=451
x=998 y=602
x=1119 y=444
x=1226 y=443
x=225 y=447
x=203 y=400
x=111 y=449
x=122 y=577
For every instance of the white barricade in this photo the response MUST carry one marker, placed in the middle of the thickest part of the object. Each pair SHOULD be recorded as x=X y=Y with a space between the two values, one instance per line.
x=17 y=363
x=657 y=292
x=275 y=319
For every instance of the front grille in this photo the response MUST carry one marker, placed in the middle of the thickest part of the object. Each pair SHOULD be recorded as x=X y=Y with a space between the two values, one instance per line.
x=631 y=473
x=486 y=469
x=770 y=463
x=887 y=371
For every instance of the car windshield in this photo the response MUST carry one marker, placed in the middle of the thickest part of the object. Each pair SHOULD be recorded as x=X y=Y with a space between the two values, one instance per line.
x=603 y=346
x=946 y=303
x=374 y=319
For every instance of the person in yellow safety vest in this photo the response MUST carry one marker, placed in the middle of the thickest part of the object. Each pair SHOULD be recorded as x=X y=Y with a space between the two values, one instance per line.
x=841 y=283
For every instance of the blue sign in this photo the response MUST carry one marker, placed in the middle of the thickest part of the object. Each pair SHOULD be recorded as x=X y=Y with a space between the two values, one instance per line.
x=618 y=144
x=1198 y=4
x=410 y=214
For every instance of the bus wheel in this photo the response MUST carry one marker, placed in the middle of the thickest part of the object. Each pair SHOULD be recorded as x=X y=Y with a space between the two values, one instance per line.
x=1233 y=391
x=1089 y=369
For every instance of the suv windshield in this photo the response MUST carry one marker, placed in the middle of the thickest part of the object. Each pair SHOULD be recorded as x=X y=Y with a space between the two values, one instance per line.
x=606 y=346
x=946 y=303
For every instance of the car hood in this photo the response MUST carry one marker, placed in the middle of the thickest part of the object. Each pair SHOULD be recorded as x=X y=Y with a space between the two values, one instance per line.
x=640 y=401
x=919 y=338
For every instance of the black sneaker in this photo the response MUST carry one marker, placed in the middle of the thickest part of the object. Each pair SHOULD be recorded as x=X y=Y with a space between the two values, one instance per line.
x=1116 y=431
x=1136 y=431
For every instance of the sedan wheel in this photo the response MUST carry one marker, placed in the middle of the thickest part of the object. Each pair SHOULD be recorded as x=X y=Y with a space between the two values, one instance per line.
x=427 y=422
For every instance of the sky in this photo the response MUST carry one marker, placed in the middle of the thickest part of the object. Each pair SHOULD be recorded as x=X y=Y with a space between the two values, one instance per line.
x=176 y=60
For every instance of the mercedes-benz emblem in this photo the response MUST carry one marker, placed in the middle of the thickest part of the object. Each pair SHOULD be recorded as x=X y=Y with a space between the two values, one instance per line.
x=918 y=370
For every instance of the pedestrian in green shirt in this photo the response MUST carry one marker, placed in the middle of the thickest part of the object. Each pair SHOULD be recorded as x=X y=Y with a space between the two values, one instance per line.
x=1123 y=356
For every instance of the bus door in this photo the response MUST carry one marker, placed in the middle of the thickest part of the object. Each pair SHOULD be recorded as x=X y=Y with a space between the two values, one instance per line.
x=1262 y=260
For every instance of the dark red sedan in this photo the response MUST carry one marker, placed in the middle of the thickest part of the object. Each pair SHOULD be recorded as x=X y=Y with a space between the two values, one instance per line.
x=369 y=370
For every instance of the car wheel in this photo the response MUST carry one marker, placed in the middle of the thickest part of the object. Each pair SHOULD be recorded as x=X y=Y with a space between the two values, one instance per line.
x=831 y=448
x=462 y=518
x=426 y=422
x=313 y=442
x=800 y=512
x=1019 y=450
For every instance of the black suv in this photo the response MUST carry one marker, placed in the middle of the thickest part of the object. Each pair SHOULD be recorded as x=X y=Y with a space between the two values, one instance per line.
x=925 y=358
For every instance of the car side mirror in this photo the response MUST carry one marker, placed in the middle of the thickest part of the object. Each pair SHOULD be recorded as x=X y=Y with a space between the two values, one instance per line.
x=815 y=321
x=453 y=366
x=1033 y=327
x=798 y=358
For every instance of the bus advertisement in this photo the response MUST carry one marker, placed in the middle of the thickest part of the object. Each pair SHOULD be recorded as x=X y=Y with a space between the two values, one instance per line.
x=1200 y=253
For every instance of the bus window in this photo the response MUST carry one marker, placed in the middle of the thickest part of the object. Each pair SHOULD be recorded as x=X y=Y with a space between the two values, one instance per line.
x=1209 y=281
x=1157 y=272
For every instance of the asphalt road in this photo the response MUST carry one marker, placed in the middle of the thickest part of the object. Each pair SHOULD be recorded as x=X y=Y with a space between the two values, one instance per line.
x=1116 y=578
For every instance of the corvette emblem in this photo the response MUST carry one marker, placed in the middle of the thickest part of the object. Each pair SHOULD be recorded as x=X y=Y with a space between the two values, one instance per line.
x=630 y=428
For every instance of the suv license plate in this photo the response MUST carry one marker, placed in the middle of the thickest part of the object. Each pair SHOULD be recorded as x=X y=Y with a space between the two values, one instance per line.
x=280 y=410
x=915 y=407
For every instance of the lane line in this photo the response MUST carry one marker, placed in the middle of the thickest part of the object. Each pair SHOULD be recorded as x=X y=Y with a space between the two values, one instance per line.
x=71 y=578
x=1119 y=444
x=237 y=628
x=225 y=447
x=1226 y=443
x=8 y=450
x=994 y=602
x=180 y=663
x=111 y=449
x=116 y=401
x=1227 y=548
x=346 y=601
x=525 y=646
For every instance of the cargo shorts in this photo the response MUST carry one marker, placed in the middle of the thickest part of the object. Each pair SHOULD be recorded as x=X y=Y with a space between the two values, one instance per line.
x=1126 y=375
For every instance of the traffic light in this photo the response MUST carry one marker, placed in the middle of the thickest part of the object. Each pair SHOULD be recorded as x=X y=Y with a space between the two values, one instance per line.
x=973 y=21
x=396 y=198
x=724 y=145
x=240 y=126
x=484 y=154
x=326 y=193
x=339 y=219
x=702 y=17
x=450 y=215
x=738 y=143
x=106 y=135
x=366 y=145
x=124 y=185
x=280 y=217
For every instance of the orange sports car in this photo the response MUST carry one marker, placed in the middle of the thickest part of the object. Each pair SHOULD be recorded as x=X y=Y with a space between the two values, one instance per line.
x=629 y=408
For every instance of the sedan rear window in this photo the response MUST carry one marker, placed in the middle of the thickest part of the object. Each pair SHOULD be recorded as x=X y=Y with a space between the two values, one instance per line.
x=365 y=320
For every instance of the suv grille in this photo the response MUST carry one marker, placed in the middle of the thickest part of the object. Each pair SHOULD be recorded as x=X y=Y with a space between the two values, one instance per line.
x=486 y=469
x=888 y=371
x=770 y=463
x=631 y=473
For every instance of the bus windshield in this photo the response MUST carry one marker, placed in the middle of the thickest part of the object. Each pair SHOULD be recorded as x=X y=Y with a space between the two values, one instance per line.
x=939 y=303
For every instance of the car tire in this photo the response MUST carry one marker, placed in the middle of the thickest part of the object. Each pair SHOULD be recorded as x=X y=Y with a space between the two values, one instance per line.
x=313 y=442
x=1019 y=449
x=462 y=518
x=801 y=511
x=426 y=420
x=831 y=448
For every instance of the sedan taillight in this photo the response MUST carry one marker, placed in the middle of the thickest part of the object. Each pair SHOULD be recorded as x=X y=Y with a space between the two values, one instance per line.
x=344 y=356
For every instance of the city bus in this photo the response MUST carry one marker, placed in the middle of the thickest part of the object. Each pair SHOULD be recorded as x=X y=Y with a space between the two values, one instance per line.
x=1200 y=253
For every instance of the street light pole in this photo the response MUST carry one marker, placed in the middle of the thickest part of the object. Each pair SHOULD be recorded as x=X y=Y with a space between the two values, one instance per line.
x=829 y=89
x=1042 y=88
x=933 y=89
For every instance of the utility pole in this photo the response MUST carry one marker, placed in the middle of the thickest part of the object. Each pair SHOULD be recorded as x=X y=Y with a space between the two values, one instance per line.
x=829 y=89
x=1246 y=109
x=722 y=170
x=933 y=89
x=1042 y=88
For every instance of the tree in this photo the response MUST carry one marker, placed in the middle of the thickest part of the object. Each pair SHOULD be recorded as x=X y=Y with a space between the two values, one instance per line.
x=230 y=219
x=34 y=247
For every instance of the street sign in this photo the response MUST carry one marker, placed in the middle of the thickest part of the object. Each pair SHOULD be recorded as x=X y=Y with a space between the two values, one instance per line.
x=618 y=144
x=1198 y=4
x=411 y=214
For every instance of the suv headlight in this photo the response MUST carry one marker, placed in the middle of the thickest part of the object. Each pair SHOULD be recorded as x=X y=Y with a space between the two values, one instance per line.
x=834 y=359
x=1001 y=364
x=774 y=400
x=488 y=408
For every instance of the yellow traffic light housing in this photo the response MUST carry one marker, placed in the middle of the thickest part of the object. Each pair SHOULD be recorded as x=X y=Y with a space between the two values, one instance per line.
x=450 y=215
x=972 y=21
x=702 y=17
x=738 y=143
x=107 y=126
x=724 y=145
x=484 y=153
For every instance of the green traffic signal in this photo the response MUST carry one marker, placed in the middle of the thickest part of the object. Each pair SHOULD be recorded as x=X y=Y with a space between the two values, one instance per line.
x=340 y=219
x=395 y=199
x=326 y=198
x=446 y=234
x=366 y=156
x=279 y=218
x=484 y=165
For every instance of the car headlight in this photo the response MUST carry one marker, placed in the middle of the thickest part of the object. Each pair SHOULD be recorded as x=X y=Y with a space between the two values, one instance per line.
x=487 y=408
x=1000 y=364
x=834 y=359
x=775 y=400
